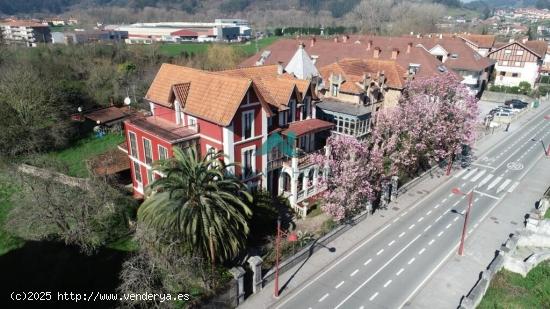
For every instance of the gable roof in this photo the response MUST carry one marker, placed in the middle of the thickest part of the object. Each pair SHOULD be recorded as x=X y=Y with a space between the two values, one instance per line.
x=210 y=96
x=537 y=48
x=275 y=89
x=353 y=70
x=327 y=51
x=461 y=57
x=480 y=40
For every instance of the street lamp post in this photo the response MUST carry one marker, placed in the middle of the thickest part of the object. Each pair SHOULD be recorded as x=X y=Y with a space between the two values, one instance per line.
x=547 y=117
x=470 y=195
x=292 y=237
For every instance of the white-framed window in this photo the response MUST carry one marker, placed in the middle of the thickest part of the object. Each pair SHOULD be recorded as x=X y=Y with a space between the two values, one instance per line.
x=505 y=63
x=519 y=53
x=163 y=152
x=210 y=151
x=248 y=161
x=133 y=144
x=191 y=121
x=248 y=124
x=518 y=64
x=291 y=111
x=150 y=178
x=507 y=51
x=335 y=90
x=148 y=149
x=137 y=172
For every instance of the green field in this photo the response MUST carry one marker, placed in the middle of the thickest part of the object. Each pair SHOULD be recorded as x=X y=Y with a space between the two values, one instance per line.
x=76 y=155
x=7 y=241
x=510 y=290
x=247 y=49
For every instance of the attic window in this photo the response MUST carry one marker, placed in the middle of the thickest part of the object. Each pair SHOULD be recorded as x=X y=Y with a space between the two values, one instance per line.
x=413 y=68
x=442 y=68
x=454 y=56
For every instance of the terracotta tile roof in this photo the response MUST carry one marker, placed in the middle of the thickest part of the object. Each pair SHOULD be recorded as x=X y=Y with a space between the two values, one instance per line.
x=211 y=96
x=110 y=162
x=184 y=32
x=480 y=40
x=163 y=129
x=105 y=115
x=307 y=126
x=466 y=58
x=353 y=70
x=326 y=51
x=536 y=47
x=275 y=89
x=181 y=91
x=23 y=23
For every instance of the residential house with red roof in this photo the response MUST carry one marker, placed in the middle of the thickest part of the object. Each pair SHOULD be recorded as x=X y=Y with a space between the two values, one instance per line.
x=481 y=43
x=237 y=112
x=25 y=32
x=518 y=61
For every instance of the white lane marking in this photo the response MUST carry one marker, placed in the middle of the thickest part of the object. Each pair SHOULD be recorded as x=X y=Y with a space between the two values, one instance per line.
x=456 y=203
x=477 y=199
x=482 y=165
x=354 y=273
x=339 y=285
x=412 y=225
x=444 y=200
x=376 y=273
x=488 y=195
x=421 y=218
x=439 y=234
x=387 y=283
x=450 y=194
x=485 y=180
x=395 y=220
x=438 y=218
x=436 y=206
x=391 y=243
x=431 y=242
x=427 y=227
x=379 y=252
x=373 y=296
x=448 y=226
x=323 y=298
x=470 y=174
x=455 y=219
x=400 y=271
x=421 y=251
x=428 y=213
x=476 y=177
x=460 y=173
x=463 y=185
x=513 y=186
x=401 y=235
x=494 y=183
x=411 y=261
x=503 y=185
x=337 y=263
x=362 y=307
x=368 y=261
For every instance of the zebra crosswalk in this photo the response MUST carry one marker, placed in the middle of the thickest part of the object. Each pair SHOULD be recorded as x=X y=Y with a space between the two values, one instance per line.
x=488 y=181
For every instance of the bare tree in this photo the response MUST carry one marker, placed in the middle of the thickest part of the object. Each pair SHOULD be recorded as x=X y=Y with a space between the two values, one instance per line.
x=371 y=16
x=415 y=17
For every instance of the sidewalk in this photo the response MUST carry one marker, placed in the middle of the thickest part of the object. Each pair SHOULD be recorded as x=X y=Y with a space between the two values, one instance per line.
x=312 y=267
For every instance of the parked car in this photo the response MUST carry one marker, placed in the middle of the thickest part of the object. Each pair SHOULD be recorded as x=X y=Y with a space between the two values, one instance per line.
x=503 y=114
x=517 y=104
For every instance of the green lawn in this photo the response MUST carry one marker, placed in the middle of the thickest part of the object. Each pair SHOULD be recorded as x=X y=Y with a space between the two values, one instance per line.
x=248 y=49
x=547 y=214
x=7 y=241
x=510 y=290
x=76 y=155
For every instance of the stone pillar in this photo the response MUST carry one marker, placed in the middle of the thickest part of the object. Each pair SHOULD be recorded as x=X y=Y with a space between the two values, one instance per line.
x=280 y=189
x=238 y=274
x=315 y=179
x=294 y=182
x=255 y=263
x=385 y=194
x=394 y=184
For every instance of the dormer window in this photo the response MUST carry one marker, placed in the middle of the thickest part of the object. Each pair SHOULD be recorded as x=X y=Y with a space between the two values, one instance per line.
x=335 y=90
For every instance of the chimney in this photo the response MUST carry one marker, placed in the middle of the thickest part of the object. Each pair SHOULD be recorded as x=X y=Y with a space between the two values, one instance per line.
x=301 y=45
x=376 y=52
x=394 y=53
x=312 y=43
x=345 y=38
x=279 y=68
x=336 y=39
x=524 y=40
x=314 y=58
x=381 y=78
x=369 y=44
x=440 y=35
x=409 y=47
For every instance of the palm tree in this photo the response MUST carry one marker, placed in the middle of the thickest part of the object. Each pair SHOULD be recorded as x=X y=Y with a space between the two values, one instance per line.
x=200 y=203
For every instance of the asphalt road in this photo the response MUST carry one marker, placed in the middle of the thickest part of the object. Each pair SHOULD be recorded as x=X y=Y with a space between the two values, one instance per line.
x=388 y=268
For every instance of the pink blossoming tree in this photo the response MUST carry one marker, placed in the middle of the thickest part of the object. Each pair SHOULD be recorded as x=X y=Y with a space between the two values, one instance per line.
x=433 y=119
